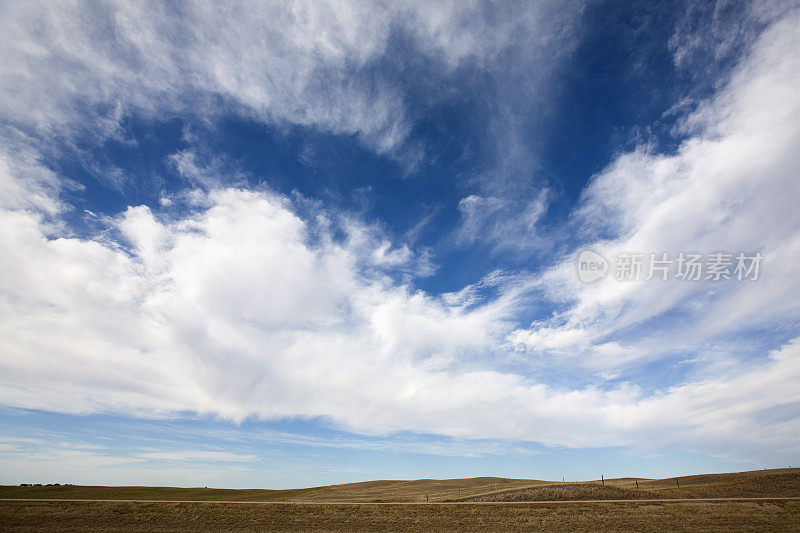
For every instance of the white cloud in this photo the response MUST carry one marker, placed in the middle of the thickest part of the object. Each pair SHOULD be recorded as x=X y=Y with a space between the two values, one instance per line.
x=246 y=305
x=197 y=455
x=731 y=186
x=48 y=460
x=443 y=446
x=501 y=223
x=73 y=70
x=713 y=33
x=232 y=311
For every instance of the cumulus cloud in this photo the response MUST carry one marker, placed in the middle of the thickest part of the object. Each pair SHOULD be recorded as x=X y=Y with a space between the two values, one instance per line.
x=241 y=289
x=233 y=310
x=239 y=303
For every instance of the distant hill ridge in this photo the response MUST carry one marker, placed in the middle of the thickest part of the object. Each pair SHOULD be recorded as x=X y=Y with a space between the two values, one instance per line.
x=758 y=483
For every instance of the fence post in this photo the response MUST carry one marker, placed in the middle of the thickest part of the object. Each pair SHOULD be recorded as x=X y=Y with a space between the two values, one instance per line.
x=602 y=479
x=637 y=484
x=676 y=482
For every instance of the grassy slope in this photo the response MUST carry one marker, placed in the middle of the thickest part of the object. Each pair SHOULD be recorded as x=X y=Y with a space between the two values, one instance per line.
x=759 y=483
x=370 y=491
x=564 y=492
x=754 y=484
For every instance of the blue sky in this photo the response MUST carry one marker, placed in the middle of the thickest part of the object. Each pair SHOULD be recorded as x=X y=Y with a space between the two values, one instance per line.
x=288 y=244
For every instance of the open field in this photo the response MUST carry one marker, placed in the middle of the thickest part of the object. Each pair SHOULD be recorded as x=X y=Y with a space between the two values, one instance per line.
x=127 y=516
x=457 y=504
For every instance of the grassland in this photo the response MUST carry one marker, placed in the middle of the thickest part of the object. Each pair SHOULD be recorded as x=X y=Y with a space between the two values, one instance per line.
x=757 y=483
x=370 y=491
x=126 y=516
x=351 y=506
x=754 y=484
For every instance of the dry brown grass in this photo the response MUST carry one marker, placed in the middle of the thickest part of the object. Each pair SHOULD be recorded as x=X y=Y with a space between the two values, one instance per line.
x=125 y=516
x=755 y=484
x=416 y=490
x=564 y=492
x=782 y=482
x=759 y=483
x=84 y=492
x=370 y=491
